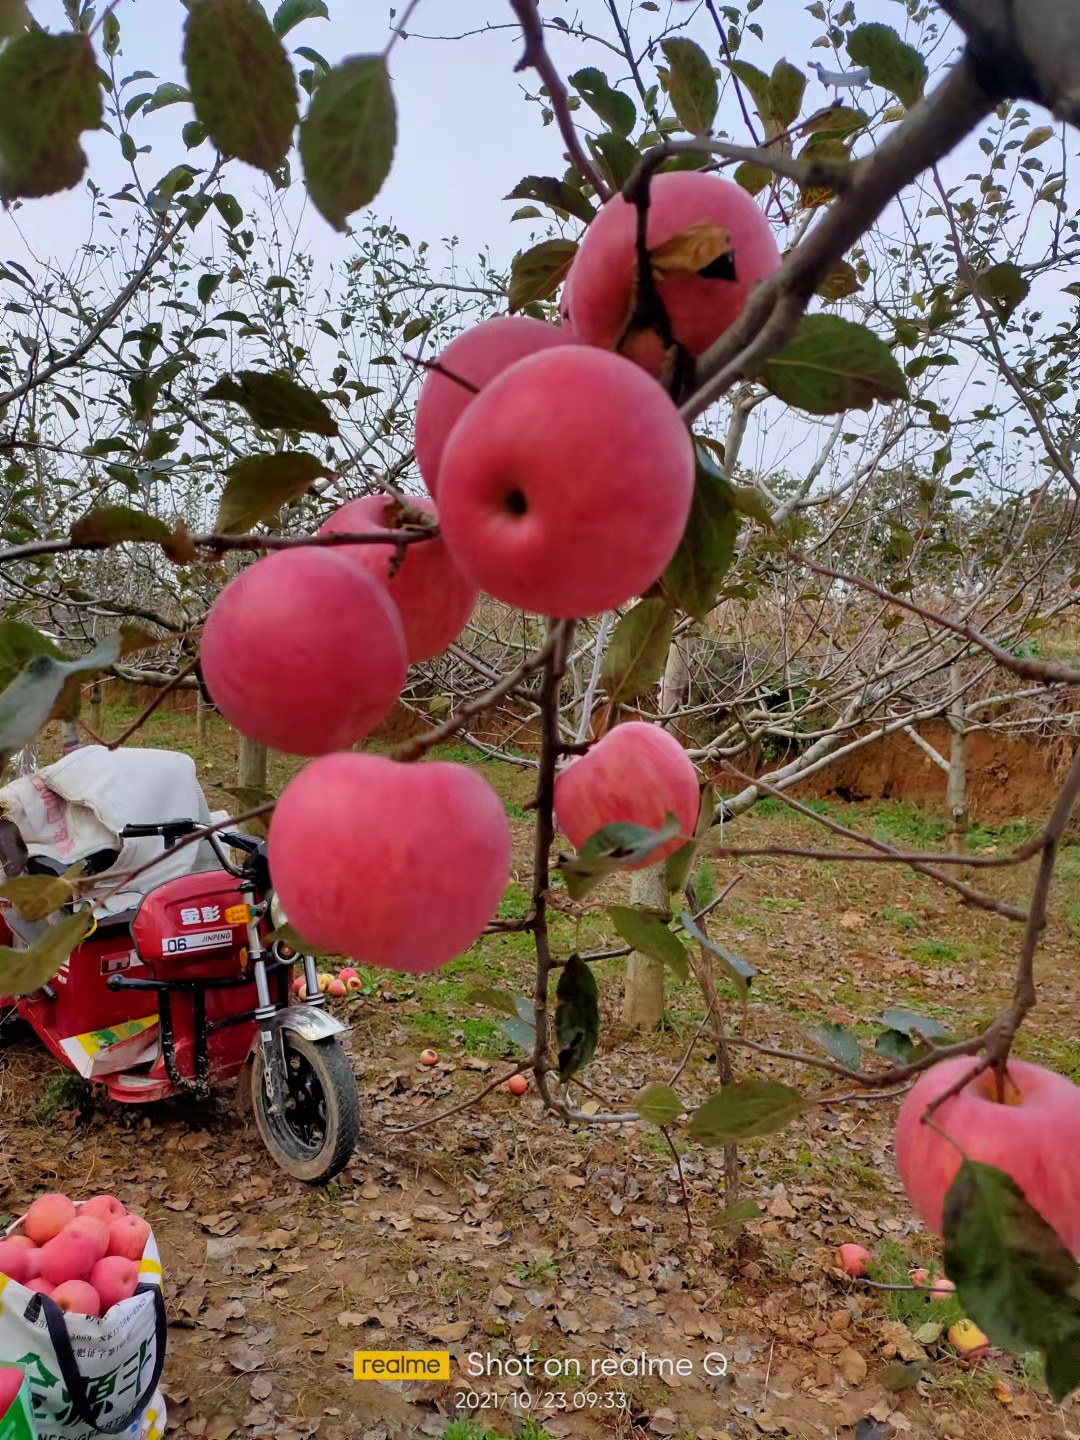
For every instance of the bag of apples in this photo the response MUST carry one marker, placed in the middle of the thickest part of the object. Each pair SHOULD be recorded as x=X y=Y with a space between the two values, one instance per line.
x=82 y=1313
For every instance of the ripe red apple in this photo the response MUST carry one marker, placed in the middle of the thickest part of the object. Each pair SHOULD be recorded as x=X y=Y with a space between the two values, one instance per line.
x=429 y=1057
x=602 y=278
x=347 y=973
x=942 y=1288
x=47 y=1216
x=78 y=1297
x=11 y=1382
x=128 y=1237
x=477 y=355
x=68 y=1256
x=1034 y=1137
x=433 y=599
x=635 y=775
x=854 y=1260
x=336 y=988
x=14 y=1262
x=432 y=842
x=354 y=985
x=920 y=1278
x=299 y=987
x=304 y=652
x=40 y=1286
x=566 y=485
x=97 y=1230
x=517 y=1084
x=103 y=1207
x=115 y=1278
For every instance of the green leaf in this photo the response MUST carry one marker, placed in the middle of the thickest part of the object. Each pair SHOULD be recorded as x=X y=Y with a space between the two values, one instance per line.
x=637 y=650
x=786 y=88
x=19 y=643
x=290 y=13
x=838 y=121
x=895 y=1045
x=615 y=156
x=658 y=1104
x=612 y=848
x=242 y=84
x=258 y=486
x=51 y=93
x=839 y=283
x=536 y=274
x=110 y=33
x=651 y=936
x=832 y=365
x=677 y=867
x=739 y=971
x=228 y=207
x=893 y=63
x=707 y=549
x=691 y=85
x=13 y=16
x=348 y=136
x=836 y=1041
x=753 y=178
x=207 y=285
x=38 y=896
x=1014 y=1275
x=166 y=94
x=491 y=995
x=613 y=107
x=27 y=703
x=909 y=1022
x=518 y=1032
x=556 y=193
x=577 y=1016
x=757 y=82
x=194 y=133
x=24 y=971
x=744 y=1111
x=113 y=524
x=1004 y=286
x=1036 y=137
x=276 y=402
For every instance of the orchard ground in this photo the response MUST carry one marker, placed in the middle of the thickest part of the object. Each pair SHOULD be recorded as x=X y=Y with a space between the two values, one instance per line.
x=499 y=1231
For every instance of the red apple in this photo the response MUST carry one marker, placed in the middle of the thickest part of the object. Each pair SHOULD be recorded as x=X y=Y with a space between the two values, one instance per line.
x=304 y=652
x=39 y=1286
x=47 y=1216
x=347 y=973
x=299 y=987
x=429 y=1057
x=477 y=355
x=517 y=1084
x=968 y=1340
x=431 y=840
x=434 y=601
x=637 y=774
x=854 y=1260
x=103 y=1207
x=90 y=1225
x=78 y=1297
x=942 y=1288
x=14 y=1262
x=11 y=1382
x=1034 y=1137
x=354 y=985
x=336 y=988
x=115 y=1278
x=128 y=1237
x=599 y=290
x=566 y=486
x=920 y=1278
x=68 y=1256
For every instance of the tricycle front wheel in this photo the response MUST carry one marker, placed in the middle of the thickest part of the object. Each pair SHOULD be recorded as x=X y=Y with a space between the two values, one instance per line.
x=317 y=1133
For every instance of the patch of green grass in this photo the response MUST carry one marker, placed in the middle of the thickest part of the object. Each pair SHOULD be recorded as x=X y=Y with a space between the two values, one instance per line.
x=542 y=1270
x=903 y=919
x=465 y=1429
x=63 y=1092
x=937 y=950
x=515 y=902
x=1006 y=836
x=892 y=1266
x=895 y=820
x=1072 y=916
x=785 y=904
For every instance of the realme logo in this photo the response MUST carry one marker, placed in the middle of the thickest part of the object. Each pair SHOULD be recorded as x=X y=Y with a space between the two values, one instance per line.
x=401 y=1365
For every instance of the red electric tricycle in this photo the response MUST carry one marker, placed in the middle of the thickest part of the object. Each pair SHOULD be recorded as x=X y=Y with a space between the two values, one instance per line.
x=184 y=990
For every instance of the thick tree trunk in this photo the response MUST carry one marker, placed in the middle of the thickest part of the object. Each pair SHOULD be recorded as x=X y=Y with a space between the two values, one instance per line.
x=643 y=1000
x=676 y=681
x=252 y=768
x=956 y=789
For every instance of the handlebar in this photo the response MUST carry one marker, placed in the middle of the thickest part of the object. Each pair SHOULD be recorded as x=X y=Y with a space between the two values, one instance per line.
x=172 y=830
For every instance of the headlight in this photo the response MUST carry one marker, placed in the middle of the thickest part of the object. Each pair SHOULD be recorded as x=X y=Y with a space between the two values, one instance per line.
x=277 y=914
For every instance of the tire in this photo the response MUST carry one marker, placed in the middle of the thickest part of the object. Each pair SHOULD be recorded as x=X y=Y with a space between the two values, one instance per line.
x=318 y=1133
